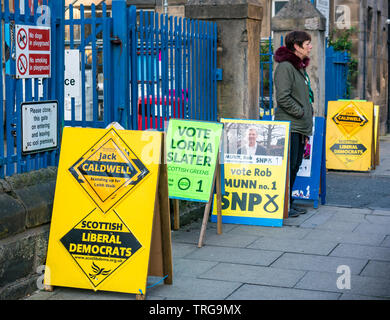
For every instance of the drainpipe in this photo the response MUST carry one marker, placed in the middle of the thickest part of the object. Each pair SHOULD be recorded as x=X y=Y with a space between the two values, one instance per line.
x=364 y=57
x=388 y=67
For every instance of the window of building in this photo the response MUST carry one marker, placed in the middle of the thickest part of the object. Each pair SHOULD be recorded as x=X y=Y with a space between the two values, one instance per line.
x=277 y=6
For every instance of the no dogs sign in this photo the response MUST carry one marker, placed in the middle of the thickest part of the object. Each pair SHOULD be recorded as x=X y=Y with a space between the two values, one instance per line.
x=33 y=51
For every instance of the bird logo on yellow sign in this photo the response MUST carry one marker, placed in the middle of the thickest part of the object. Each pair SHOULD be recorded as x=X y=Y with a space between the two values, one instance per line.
x=108 y=170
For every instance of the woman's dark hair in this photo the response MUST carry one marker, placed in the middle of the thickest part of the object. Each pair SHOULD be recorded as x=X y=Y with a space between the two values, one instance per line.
x=296 y=37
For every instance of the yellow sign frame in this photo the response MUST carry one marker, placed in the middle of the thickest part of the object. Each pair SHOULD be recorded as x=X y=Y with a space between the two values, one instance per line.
x=143 y=212
x=353 y=148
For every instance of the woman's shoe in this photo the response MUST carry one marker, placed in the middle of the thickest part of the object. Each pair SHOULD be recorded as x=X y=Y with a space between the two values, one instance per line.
x=298 y=209
x=292 y=213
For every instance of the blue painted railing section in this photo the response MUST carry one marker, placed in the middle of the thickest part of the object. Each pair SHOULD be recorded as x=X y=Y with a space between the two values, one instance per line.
x=15 y=91
x=336 y=75
x=137 y=68
x=266 y=79
x=174 y=69
x=93 y=41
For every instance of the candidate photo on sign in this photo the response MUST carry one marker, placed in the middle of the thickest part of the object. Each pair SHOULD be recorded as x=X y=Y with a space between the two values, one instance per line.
x=254 y=139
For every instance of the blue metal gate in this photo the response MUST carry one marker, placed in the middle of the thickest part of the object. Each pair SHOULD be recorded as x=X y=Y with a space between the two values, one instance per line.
x=152 y=67
x=15 y=91
x=336 y=75
x=137 y=68
x=266 y=79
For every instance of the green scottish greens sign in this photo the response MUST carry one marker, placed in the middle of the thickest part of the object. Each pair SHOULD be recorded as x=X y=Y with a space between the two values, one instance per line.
x=192 y=151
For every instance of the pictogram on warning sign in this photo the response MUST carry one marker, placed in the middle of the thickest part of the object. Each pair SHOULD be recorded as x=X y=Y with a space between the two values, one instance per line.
x=22 y=39
x=22 y=64
x=100 y=244
x=108 y=170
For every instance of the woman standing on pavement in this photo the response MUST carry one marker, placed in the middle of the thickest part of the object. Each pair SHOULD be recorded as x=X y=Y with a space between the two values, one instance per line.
x=294 y=99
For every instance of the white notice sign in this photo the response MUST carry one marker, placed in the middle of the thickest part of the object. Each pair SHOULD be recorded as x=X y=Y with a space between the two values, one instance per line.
x=72 y=79
x=39 y=126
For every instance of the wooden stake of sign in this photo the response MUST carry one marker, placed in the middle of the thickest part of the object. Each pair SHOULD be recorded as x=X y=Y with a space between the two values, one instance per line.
x=217 y=176
x=219 y=199
x=176 y=215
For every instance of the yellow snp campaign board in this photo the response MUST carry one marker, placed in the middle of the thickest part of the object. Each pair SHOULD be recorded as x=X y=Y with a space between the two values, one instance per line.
x=192 y=152
x=255 y=157
x=349 y=135
x=103 y=210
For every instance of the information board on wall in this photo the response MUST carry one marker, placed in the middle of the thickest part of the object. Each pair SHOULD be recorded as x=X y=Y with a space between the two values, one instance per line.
x=39 y=126
x=255 y=158
x=103 y=211
x=192 y=151
x=349 y=135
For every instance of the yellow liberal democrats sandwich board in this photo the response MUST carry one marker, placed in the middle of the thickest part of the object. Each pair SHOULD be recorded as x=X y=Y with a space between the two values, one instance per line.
x=103 y=210
x=255 y=170
x=349 y=135
x=192 y=151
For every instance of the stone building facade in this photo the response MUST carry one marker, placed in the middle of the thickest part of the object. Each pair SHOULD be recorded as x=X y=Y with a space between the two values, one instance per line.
x=369 y=47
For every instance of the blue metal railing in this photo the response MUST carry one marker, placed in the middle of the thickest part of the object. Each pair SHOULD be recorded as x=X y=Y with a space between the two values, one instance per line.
x=137 y=68
x=176 y=69
x=93 y=41
x=15 y=91
x=336 y=75
x=266 y=79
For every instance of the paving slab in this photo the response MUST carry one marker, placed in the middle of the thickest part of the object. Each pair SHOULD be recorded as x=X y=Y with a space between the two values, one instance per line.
x=349 y=296
x=362 y=252
x=180 y=250
x=318 y=263
x=378 y=219
x=254 y=274
x=348 y=217
x=345 y=237
x=336 y=225
x=377 y=269
x=326 y=281
x=188 y=288
x=381 y=212
x=386 y=242
x=274 y=232
x=375 y=228
x=316 y=220
x=257 y=292
x=295 y=245
x=191 y=268
x=235 y=255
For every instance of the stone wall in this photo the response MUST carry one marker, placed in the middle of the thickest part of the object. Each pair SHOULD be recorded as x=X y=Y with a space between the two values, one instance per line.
x=369 y=47
x=26 y=202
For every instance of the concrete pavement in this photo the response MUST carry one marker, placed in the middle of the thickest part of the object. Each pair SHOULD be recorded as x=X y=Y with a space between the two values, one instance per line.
x=331 y=253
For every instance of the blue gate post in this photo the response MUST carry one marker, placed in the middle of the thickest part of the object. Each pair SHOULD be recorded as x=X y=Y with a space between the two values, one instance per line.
x=58 y=44
x=120 y=56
